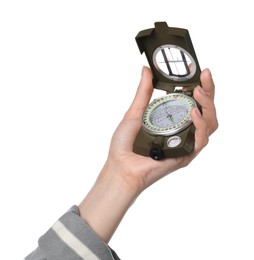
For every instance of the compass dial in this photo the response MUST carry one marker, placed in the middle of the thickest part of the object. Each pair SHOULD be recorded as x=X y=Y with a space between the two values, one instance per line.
x=168 y=114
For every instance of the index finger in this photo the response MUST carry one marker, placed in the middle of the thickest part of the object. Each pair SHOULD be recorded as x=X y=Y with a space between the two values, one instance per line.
x=207 y=83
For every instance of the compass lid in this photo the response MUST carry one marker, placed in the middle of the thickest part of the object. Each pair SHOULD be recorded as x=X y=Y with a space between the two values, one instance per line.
x=171 y=57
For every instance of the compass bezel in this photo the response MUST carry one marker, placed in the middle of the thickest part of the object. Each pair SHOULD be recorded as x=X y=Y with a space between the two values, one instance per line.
x=187 y=101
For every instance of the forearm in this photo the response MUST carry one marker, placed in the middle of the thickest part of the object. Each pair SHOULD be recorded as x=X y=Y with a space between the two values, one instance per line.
x=107 y=202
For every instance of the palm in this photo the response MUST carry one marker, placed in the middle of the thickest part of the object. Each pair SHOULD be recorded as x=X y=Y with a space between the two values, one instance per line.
x=144 y=170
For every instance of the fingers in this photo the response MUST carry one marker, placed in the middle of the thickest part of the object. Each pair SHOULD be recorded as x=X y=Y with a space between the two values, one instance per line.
x=143 y=94
x=205 y=97
x=207 y=83
x=201 y=133
x=206 y=123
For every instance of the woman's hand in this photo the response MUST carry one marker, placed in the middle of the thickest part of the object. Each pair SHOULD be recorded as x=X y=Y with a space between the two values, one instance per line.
x=143 y=171
x=126 y=174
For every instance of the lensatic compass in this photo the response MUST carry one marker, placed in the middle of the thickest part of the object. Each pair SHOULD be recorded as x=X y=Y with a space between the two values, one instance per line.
x=167 y=129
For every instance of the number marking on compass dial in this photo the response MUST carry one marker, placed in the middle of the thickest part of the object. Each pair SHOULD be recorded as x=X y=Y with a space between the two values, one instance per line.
x=168 y=114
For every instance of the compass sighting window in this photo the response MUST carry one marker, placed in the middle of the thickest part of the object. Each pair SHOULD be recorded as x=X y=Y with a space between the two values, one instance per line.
x=174 y=62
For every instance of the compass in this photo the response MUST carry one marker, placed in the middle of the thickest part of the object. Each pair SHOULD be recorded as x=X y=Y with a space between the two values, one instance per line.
x=167 y=129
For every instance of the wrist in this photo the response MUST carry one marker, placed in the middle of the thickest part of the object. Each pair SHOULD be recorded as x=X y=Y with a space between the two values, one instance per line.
x=107 y=202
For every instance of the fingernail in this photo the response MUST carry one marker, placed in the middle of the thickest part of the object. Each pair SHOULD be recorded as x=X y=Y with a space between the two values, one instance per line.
x=209 y=72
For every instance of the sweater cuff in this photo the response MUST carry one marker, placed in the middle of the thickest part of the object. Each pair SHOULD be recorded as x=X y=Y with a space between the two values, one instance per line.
x=71 y=238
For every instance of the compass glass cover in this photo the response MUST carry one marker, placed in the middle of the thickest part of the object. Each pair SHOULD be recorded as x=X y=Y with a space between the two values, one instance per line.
x=169 y=114
x=174 y=62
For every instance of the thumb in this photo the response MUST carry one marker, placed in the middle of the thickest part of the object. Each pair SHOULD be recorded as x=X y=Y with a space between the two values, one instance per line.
x=143 y=94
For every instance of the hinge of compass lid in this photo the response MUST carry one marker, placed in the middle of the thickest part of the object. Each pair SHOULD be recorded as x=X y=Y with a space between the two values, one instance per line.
x=180 y=89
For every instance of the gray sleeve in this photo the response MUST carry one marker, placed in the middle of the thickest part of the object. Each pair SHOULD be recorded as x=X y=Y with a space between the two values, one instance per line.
x=70 y=238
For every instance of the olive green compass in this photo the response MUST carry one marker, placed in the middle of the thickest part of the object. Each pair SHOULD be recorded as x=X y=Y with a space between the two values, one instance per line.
x=167 y=129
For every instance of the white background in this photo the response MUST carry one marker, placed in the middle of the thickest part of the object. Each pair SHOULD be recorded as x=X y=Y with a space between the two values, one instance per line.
x=68 y=72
